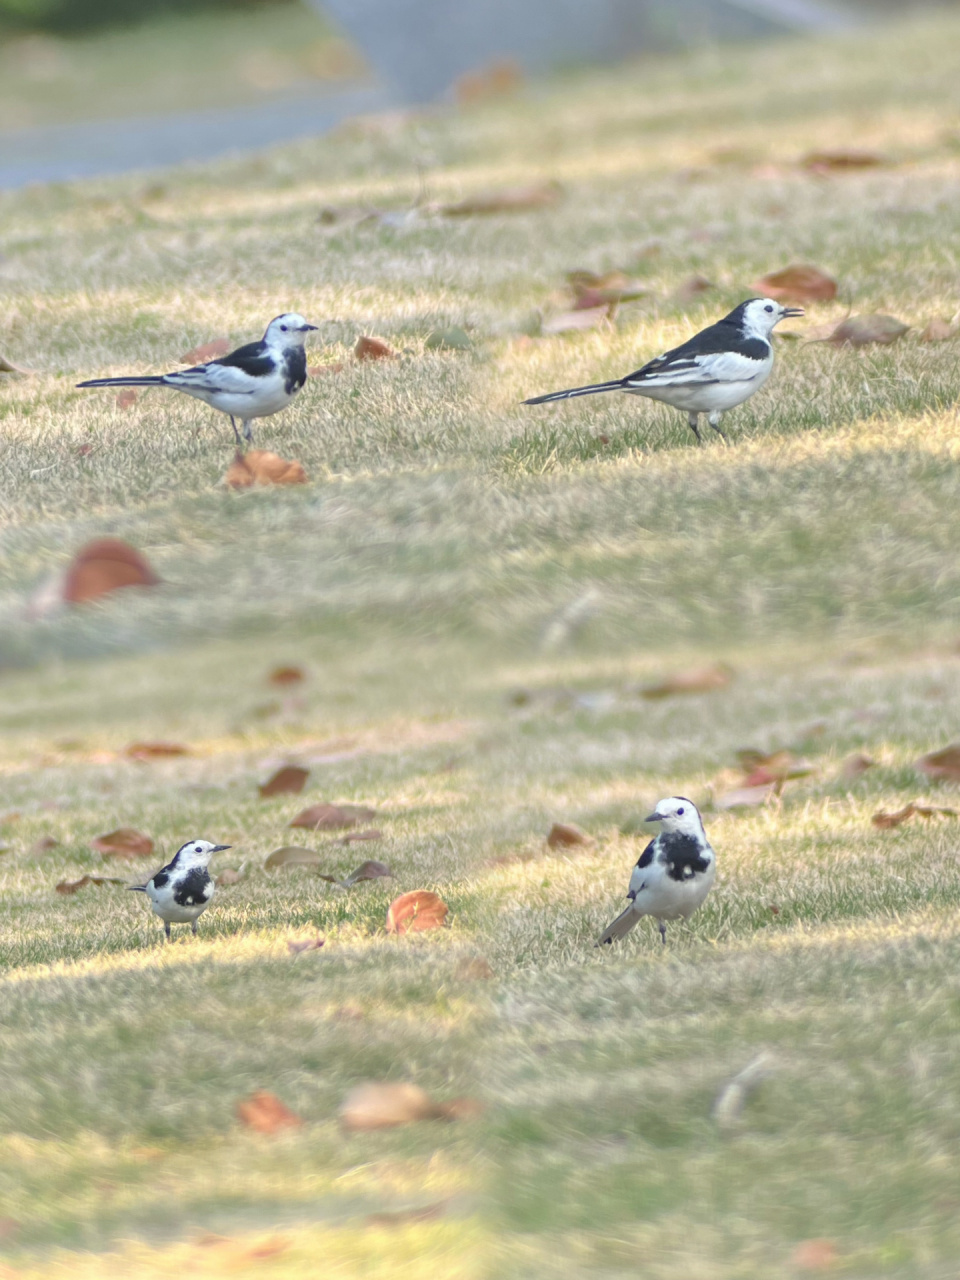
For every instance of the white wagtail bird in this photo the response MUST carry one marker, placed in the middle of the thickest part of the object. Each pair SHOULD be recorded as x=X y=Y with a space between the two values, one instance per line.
x=181 y=891
x=716 y=369
x=674 y=873
x=251 y=382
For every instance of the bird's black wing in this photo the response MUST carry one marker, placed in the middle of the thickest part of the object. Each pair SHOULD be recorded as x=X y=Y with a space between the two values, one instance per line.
x=254 y=359
x=719 y=353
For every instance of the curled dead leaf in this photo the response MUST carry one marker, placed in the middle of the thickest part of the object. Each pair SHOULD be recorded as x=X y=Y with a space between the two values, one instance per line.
x=840 y=160
x=333 y=817
x=473 y=969
x=105 y=565
x=156 y=750
x=938 y=330
x=353 y=836
x=73 y=886
x=127 y=397
x=288 y=781
x=797 y=283
x=855 y=766
x=286 y=675
x=696 y=680
x=510 y=200
x=861 y=331
x=265 y=1113
x=232 y=875
x=778 y=767
x=416 y=911
x=260 y=466
x=943 y=765
x=125 y=842
x=292 y=855
x=692 y=288
x=887 y=821
x=211 y=350
x=382 y=1105
x=564 y=835
x=370 y=870
x=7 y=366
x=296 y=946
x=373 y=349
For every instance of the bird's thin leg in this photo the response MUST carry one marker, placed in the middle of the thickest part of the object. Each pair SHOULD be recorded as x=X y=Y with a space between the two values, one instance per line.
x=714 y=420
x=166 y=929
x=663 y=932
x=693 y=419
x=193 y=928
x=248 y=431
x=235 y=431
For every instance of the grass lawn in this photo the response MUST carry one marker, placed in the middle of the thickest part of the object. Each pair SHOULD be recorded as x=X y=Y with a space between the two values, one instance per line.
x=478 y=594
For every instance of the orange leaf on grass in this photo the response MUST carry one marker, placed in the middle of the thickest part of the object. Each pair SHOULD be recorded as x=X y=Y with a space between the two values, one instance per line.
x=288 y=781
x=260 y=466
x=938 y=330
x=797 y=283
x=125 y=842
x=840 y=160
x=126 y=398
x=208 y=351
x=473 y=969
x=319 y=370
x=814 y=1255
x=695 y=680
x=416 y=911
x=286 y=675
x=373 y=349
x=509 y=200
x=563 y=835
x=105 y=565
x=333 y=817
x=887 y=821
x=942 y=765
x=156 y=750
x=384 y=1105
x=265 y=1113
x=292 y=855
x=73 y=886
x=778 y=767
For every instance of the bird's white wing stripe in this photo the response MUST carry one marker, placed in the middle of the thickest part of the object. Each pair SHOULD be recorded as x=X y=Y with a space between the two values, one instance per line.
x=722 y=366
x=217 y=377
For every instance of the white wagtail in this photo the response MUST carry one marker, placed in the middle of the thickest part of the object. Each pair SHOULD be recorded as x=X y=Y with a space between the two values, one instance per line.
x=181 y=891
x=251 y=382
x=719 y=367
x=674 y=873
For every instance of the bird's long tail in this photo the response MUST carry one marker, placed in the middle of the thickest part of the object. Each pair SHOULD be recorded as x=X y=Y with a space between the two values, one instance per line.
x=137 y=888
x=592 y=390
x=620 y=927
x=145 y=381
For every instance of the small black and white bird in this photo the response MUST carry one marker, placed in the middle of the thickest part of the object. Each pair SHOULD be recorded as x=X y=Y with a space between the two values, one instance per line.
x=716 y=369
x=674 y=873
x=252 y=382
x=181 y=891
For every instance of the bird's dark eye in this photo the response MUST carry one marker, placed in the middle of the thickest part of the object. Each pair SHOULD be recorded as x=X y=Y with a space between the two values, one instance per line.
x=680 y=813
x=768 y=308
x=199 y=850
x=284 y=327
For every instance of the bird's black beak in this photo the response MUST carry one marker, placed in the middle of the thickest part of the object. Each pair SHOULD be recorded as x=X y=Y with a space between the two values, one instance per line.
x=654 y=817
x=790 y=312
x=219 y=848
x=311 y=328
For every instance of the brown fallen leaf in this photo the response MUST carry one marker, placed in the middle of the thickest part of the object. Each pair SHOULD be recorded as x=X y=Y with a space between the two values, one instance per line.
x=400 y=1217
x=568 y=321
x=260 y=466
x=887 y=821
x=127 y=397
x=510 y=200
x=692 y=288
x=565 y=834
x=125 y=842
x=286 y=675
x=265 y=1113
x=370 y=870
x=232 y=875
x=778 y=767
x=105 y=565
x=943 y=765
x=7 y=366
x=797 y=283
x=938 y=330
x=814 y=1255
x=288 y=781
x=320 y=370
x=860 y=331
x=495 y=80
x=45 y=844
x=73 y=886
x=696 y=680
x=292 y=855
x=855 y=766
x=353 y=836
x=745 y=797
x=473 y=969
x=373 y=349
x=297 y=946
x=382 y=1105
x=605 y=290
x=156 y=750
x=416 y=911
x=841 y=159
x=211 y=350
x=332 y=817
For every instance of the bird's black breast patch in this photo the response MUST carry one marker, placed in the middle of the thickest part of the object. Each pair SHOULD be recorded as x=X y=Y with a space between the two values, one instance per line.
x=682 y=856
x=295 y=369
x=193 y=889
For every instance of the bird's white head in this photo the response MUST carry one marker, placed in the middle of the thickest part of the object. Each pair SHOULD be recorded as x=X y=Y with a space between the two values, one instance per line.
x=759 y=315
x=197 y=853
x=678 y=814
x=288 y=330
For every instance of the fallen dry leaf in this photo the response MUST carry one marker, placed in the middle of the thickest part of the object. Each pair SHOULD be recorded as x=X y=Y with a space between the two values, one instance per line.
x=855 y=766
x=696 y=680
x=353 y=836
x=286 y=675
x=211 y=350
x=297 y=946
x=797 y=283
x=778 y=767
x=733 y=1097
x=292 y=855
x=127 y=397
x=745 y=797
x=886 y=821
x=814 y=1255
x=473 y=969
x=416 y=911
x=370 y=870
x=565 y=834
x=860 y=331
x=938 y=330
x=45 y=844
x=497 y=78
x=842 y=160
x=260 y=466
x=156 y=750
x=125 y=842
x=72 y=886
x=373 y=349
x=319 y=370
x=265 y=1113
x=288 y=781
x=510 y=200
x=400 y=1217
x=943 y=765
x=693 y=288
x=7 y=366
x=567 y=321
x=232 y=875
x=609 y=289
x=381 y=1105
x=105 y=565
x=333 y=817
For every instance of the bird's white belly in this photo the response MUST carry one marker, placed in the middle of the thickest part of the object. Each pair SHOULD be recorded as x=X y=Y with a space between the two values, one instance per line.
x=258 y=405
x=167 y=908
x=676 y=899
x=712 y=397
